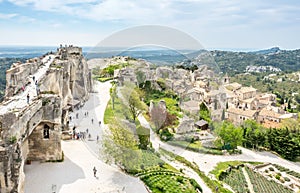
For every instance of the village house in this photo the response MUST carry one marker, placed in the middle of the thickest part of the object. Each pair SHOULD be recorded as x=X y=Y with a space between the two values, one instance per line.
x=268 y=114
x=238 y=116
x=201 y=124
x=246 y=93
x=271 y=118
x=265 y=100
x=248 y=104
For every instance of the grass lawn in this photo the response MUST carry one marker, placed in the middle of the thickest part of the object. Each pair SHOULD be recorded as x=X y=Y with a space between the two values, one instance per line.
x=104 y=79
x=222 y=166
x=195 y=146
x=171 y=182
x=120 y=111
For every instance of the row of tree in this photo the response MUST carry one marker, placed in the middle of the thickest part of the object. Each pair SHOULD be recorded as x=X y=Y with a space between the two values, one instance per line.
x=285 y=141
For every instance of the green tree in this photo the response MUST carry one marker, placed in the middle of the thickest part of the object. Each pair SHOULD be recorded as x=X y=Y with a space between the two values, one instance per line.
x=204 y=113
x=120 y=144
x=284 y=142
x=133 y=100
x=113 y=94
x=144 y=136
x=254 y=134
x=289 y=104
x=230 y=135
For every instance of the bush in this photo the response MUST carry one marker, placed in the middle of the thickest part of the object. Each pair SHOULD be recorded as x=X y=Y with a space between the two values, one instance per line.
x=179 y=179
x=271 y=169
x=12 y=139
x=277 y=177
x=287 y=179
x=196 y=185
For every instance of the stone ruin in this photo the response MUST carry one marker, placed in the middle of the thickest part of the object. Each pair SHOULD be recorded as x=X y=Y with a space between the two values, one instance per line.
x=33 y=132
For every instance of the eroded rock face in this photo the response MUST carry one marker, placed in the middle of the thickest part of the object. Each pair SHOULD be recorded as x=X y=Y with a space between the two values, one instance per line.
x=32 y=132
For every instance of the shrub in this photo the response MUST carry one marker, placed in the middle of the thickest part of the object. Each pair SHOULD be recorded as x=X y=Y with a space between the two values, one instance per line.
x=277 y=177
x=271 y=169
x=287 y=179
x=196 y=185
x=179 y=179
x=266 y=170
x=12 y=139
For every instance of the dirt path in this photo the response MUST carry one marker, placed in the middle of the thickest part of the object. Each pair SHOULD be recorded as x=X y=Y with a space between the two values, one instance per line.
x=250 y=186
x=189 y=173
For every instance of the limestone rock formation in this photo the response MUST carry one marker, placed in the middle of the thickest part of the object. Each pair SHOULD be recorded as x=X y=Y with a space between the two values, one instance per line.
x=30 y=129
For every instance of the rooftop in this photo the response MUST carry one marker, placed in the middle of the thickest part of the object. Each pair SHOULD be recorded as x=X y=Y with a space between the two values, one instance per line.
x=201 y=123
x=247 y=89
x=233 y=86
x=269 y=113
x=247 y=113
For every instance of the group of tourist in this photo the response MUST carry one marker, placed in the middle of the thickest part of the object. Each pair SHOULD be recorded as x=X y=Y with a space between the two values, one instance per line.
x=82 y=135
x=85 y=134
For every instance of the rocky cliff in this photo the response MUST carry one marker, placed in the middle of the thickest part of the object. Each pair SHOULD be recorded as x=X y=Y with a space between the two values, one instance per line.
x=39 y=95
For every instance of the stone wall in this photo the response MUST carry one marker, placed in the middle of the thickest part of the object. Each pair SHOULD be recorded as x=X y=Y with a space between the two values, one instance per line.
x=33 y=133
x=19 y=74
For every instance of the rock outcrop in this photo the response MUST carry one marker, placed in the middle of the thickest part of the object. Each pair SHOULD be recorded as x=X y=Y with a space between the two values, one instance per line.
x=31 y=130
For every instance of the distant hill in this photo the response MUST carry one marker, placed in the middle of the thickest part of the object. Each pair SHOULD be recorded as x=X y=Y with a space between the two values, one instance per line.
x=267 y=51
x=225 y=61
x=237 y=62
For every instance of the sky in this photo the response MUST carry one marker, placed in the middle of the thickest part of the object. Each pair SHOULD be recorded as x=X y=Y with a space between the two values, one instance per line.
x=220 y=24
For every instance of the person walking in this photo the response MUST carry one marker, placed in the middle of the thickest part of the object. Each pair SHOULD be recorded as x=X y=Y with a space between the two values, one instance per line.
x=92 y=121
x=99 y=123
x=95 y=171
x=28 y=97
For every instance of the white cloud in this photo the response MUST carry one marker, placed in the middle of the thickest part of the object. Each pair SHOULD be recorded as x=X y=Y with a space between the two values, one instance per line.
x=8 y=16
x=219 y=21
x=26 y=19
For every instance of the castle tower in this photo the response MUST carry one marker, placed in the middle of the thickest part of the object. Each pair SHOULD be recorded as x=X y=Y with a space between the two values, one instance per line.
x=226 y=79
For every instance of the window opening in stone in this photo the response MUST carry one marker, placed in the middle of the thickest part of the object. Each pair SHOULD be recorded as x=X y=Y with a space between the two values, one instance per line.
x=46 y=131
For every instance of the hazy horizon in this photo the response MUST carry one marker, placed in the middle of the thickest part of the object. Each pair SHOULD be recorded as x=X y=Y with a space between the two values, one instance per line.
x=125 y=48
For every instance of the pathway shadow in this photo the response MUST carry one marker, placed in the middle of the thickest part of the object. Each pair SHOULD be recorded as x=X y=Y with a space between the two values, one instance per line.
x=49 y=177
